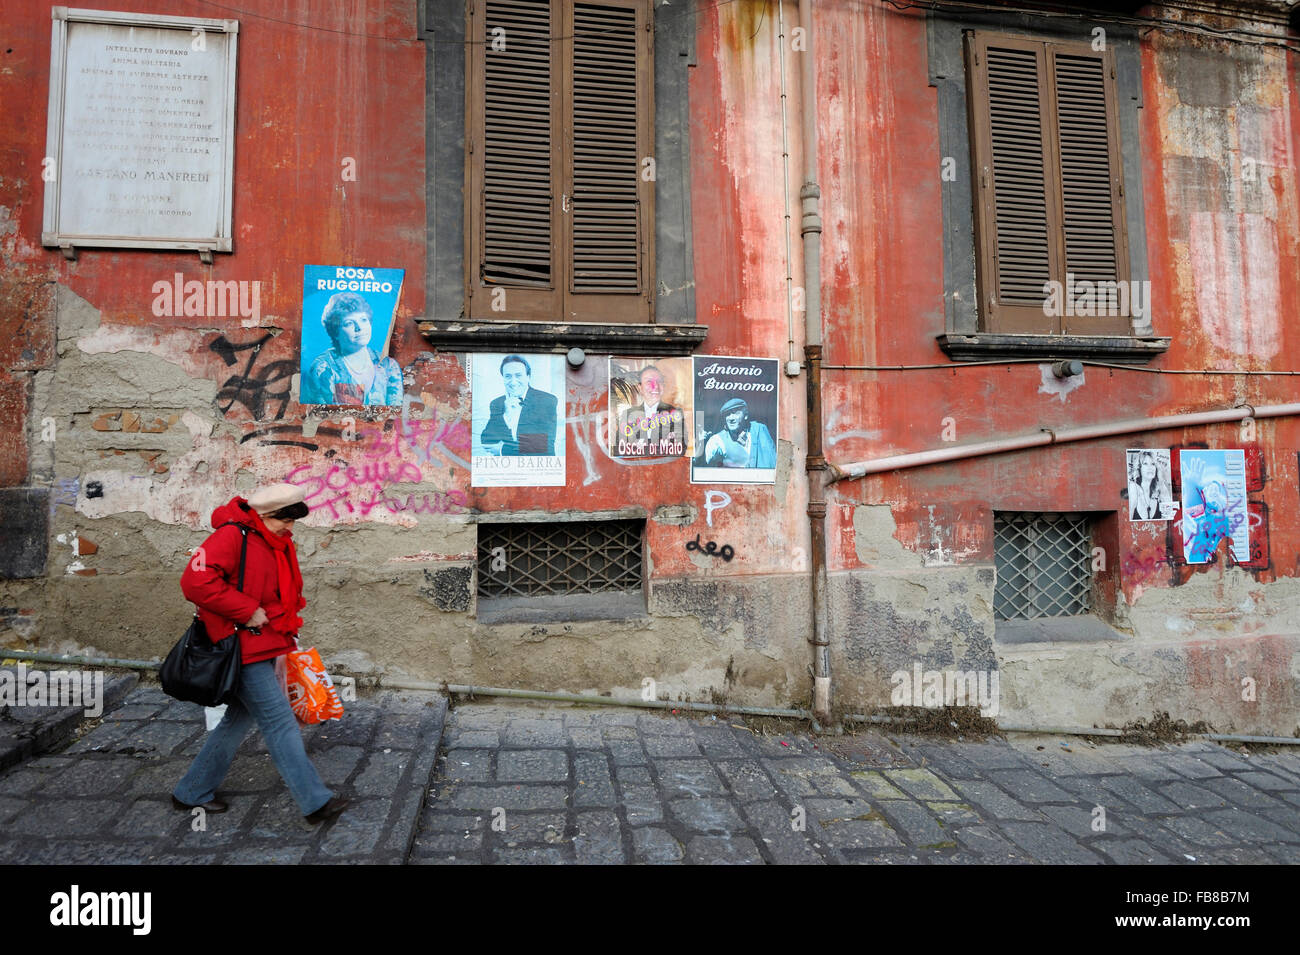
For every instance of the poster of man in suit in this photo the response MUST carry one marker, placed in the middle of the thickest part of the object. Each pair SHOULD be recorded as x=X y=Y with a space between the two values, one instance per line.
x=517 y=418
x=650 y=408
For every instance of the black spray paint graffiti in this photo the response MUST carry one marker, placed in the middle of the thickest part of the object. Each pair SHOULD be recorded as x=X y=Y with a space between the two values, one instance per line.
x=726 y=552
x=253 y=391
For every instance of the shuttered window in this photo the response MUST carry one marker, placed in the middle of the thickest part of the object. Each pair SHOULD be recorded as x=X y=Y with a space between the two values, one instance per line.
x=1049 y=190
x=560 y=214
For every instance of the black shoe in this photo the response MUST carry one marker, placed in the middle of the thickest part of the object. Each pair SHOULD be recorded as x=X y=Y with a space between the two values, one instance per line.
x=215 y=805
x=330 y=810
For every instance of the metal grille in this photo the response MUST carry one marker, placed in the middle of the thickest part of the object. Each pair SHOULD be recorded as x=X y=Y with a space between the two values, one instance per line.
x=570 y=557
x=1043 y=563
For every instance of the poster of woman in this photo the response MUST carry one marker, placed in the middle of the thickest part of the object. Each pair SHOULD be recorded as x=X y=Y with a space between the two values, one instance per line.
x=1214 y=505
x=735 y=420
x=347 y=319
x=1150 y=487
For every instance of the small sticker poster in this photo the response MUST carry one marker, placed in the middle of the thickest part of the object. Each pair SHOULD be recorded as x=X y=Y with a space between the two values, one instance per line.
x=735 y=420
x=1214 y=504
x=650 y=408
x=517 y=418
x=347 y=320
x=1150 y=486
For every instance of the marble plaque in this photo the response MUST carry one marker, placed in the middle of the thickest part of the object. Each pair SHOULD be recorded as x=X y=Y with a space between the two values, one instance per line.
x=140 y=134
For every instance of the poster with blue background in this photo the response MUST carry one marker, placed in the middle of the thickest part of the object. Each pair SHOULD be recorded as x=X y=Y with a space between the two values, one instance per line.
x=1214 y=504
x=347 y=319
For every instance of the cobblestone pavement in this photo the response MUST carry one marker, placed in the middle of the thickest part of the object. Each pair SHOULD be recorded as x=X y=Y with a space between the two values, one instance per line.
x=106 y=798
x=547 y=783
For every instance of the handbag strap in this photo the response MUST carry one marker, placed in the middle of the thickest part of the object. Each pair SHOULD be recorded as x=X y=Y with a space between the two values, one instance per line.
x=243 y=549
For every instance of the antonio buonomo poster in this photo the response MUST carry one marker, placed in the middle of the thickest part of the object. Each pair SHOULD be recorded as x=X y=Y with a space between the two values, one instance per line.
x=347 y=318
x=517 y=417
x=735 y=420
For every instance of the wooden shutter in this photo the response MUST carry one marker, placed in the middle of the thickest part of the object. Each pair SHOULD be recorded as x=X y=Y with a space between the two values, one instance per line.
x=560 y=225
x=1048 y=199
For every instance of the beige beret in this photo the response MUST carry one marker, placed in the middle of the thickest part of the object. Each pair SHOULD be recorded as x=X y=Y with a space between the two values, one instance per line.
x=267 y=500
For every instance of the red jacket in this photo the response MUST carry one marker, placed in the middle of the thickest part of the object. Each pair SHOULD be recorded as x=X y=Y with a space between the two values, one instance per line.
x=272 y=581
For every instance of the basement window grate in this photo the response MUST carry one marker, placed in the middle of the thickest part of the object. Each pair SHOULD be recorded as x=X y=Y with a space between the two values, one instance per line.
x=1043 y=565
x=568 y=557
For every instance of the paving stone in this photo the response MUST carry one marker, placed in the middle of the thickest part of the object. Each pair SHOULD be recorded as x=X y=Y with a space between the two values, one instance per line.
x=468 y=765
x=718 y=742
x=1029 y=786
x=158 y=736
x=616 y=717
x=404 y=730
x=548 y=855
x=920 y=783
x=877 y=786
x=357 y=728
x=1197 y=831
x=158 y=777
x=987 y=756
x=619 y=732
x=947 y=760
x=641 y=805
x=1048 y=844
x=152 y=819
x=335 y=764
x=474 y=739
x=994 y=802
x=1288 y=855
x=746 y=779
x=1079 y=758
x=1188 y=765
x=278 y=817
x=593 y=787
x=953 y=814
x=707 y=815
x=586 y=738
x=824 y=809
x=1144 y=767
x=1224 y=759
x=1239 y=856
x=533 y=766
x=251 y=774
x=1269 y=781
x=1130 y=852
x=671 y=746
x=480 y=717
x=1078 y=821
x=1136 y=794
x=383 y=773
x=627 y=753
x=990 y=846
x=857 y=834
x=132 y=711
x=578 y=718
x=358 y=830
x=93 y=776
x=445 y=842
x=436 y=818
x=599 y=840
x=633 y=775
x=710 y=850
x=784 y=844
x=10 y=806
x=914 y=821
x=63 y=817
x=1248 y=827
x=268 y=855
x=526 y=827
x=652 y=724
x=484 y=798
x=654 y=846
x=1238 y=793
x=534 y=732
x=1190 y=797
x=687 y=777
x=218 y=828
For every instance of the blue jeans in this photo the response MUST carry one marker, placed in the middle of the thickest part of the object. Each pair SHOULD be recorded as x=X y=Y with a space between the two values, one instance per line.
x=261 y=698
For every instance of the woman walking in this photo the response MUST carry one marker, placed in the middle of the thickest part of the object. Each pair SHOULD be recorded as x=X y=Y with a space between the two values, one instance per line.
x=264 y=614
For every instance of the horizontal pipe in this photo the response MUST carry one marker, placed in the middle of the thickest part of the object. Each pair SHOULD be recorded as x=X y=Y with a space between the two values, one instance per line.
x=1047 y=436
x=80 y=661
x=608 y=701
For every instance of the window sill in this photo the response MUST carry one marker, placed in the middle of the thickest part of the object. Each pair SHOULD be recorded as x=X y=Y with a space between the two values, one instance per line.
x=515 y=336
x=567 y=608
x=1081 y=628
x=988 y=346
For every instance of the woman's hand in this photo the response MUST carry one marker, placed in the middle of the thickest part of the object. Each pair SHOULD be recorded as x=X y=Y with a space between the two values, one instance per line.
x=257 y=619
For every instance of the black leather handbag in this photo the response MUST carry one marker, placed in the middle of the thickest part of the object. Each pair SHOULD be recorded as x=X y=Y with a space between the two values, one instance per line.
x=198 y=670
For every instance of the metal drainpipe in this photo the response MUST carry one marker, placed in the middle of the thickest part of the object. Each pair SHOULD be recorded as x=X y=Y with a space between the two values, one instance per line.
x=815 y=462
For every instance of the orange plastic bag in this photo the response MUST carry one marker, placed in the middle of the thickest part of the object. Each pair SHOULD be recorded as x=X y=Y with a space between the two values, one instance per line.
x=311 y=691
